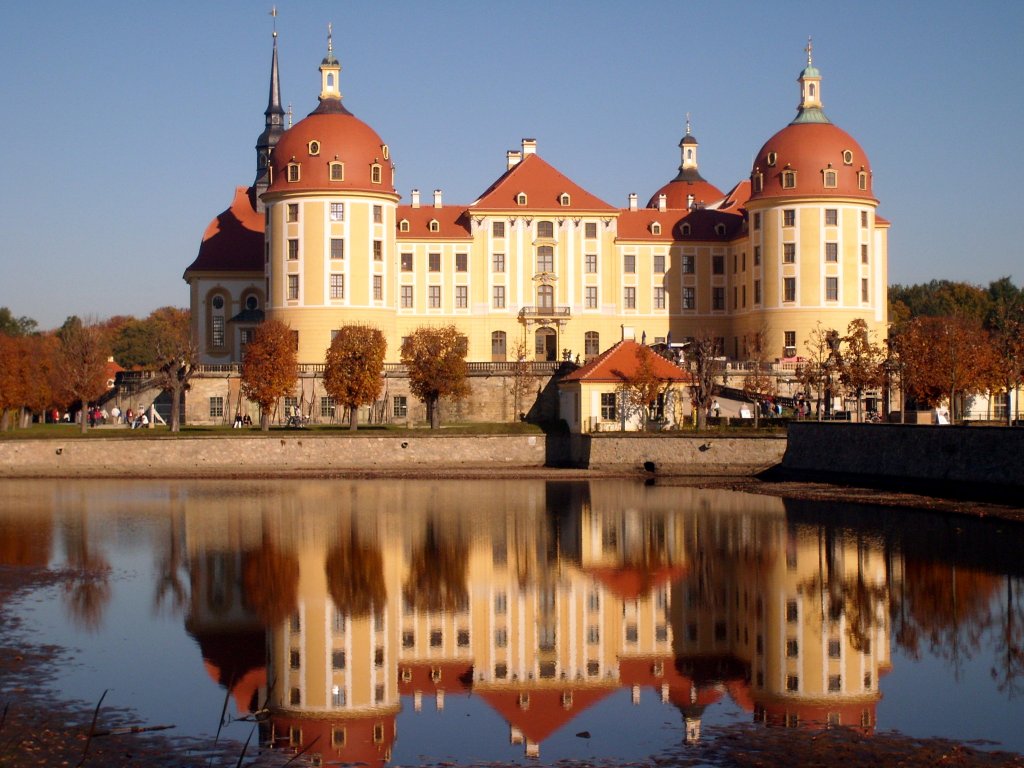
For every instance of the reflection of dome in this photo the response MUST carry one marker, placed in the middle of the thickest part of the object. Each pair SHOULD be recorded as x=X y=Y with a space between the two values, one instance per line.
x=360 y=739
x=811 y=149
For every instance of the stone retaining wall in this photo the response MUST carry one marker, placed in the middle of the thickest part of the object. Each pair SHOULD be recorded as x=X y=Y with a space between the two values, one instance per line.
x=985 y=455
x=675 y=455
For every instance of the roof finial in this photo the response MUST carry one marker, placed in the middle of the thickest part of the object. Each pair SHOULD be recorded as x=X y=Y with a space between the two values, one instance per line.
x=289 y=114
x=330 y=42
x=687 y=123
x=810 y=50
x=273 y=12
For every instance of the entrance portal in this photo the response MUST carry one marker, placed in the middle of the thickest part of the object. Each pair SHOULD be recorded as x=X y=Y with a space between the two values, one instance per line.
x=546 y=344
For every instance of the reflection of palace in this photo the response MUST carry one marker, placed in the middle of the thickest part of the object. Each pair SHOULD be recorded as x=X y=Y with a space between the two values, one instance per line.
x=561 y=595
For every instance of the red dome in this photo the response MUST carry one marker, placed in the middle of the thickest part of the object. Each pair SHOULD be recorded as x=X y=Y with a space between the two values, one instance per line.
x=677 y=193
x=342 y=137
x=811 y=149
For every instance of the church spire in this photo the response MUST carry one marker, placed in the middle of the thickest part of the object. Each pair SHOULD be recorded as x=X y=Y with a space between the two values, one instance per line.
x=688 y=169
x=810 y=109
x=273 y=124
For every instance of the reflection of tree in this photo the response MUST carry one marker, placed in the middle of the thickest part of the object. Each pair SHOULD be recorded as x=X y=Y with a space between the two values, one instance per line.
x=87 y=586
x=355 y=577
x=1009 y=650
x=270 y=579
x=946 y=606
x=437 y=573
x=170 y=585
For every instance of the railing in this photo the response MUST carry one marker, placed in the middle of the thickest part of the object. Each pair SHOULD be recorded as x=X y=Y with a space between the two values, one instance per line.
x=545 y=312
x=529 y=367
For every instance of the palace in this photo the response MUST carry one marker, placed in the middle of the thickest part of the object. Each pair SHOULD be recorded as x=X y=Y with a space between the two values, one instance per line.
x=537 y=265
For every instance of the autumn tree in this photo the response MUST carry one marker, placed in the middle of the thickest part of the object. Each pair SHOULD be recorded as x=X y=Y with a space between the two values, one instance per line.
x=175 y=356
x=1006 y=333
x=270 y=367
x=946 y=357
x=759 y=384
x=355 y=362
x=641 y=390
x=701 y=354
x=436 y=362
x=12 y=378
x=815 y=373
x=82 y=363
x=522 y=381
x=42 y=374
x=860 y=362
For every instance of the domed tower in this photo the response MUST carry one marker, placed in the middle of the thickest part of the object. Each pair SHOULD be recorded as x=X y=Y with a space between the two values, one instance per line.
x=818 y=248
x=330 y=223
x=688 y=190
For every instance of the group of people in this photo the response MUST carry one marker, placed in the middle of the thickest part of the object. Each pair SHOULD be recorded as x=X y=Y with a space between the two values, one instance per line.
x=241 y=421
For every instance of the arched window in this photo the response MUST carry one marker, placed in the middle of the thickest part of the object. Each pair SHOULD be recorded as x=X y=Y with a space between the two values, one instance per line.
x=655 y=228
x=564 y=199
x=293 y=171
x=521 y=198
x=546 y=344
x=545 y=229
x=403 y=225
x=772 y=157
x=545 y=297
x=498 y=347
x=862 y=180
x=217 y=310
x=830 y=178
x=545 y=258
x=591 y=344
x=337 y=171
x=435 y=226
x=375 y=173
x=686 y=230
x=789 y=179
x=757 y=181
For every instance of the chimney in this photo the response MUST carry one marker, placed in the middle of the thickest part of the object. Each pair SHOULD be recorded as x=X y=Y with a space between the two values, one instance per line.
x=415 y=198
x=662 y=202
x=529 y=147
x=632 y=201
x=437 y=198
x=513 y=158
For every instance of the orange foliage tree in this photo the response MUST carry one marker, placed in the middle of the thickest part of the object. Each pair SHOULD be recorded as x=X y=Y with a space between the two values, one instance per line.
x=641 y=391
x=82 y=363
x=270 y=367
x=355 y=362
x=176 y=356
x=860 y=363
x=436 y=362
x=12 y=378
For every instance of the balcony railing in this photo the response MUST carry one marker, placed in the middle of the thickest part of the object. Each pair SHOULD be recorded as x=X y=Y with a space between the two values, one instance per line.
x=545 y=312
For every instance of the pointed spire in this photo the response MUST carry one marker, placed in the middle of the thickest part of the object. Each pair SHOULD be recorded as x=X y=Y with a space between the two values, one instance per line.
x=688 y=170
x=810 y=108
x=273 y=119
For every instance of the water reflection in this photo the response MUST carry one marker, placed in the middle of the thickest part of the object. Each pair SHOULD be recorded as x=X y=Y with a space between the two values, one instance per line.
x=329 y=608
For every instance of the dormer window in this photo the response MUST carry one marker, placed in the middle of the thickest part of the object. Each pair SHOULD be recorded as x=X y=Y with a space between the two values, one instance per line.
x=337 y=171
x=862 y=180
x=772 y=158
x=830 y=178
x=757 y=181
x=686 y=230
x=403 y=225
x=434 y=225
x=720 y=230
x=655 y=228
x=314 y=148
x=789 y=179
x=375 y=173
x=564 y=199
x=521 y=198
x=847 y=157
x=293 y=172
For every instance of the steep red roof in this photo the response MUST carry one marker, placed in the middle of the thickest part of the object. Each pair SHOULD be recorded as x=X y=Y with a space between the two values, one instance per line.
x=543 y=710
x=636 y=225
x=543 y=185
x=620 y=362
x=736 y=198
x=233 y=242
x=452 y=221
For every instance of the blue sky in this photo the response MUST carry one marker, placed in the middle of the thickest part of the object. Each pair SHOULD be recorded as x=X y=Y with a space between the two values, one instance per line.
x=129 y=124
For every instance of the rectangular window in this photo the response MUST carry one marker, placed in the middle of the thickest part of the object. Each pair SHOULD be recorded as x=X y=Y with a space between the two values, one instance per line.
x=659 y=297
x=327 y=407
x=461 y=262
x=378 y=250
x=788 y=253
x=757 y=220
x=337 y=286
x=864 y=289
x=400 y=406
x=629 y=298
x=864 y=253
x=659 y=263
x=498 y=229
x=497 y=262
x=593 y=635
x=500 y=638
x=590 y=297
x=789 y=217
x=293 y=287
x=216 y=407
x=337 y=700
x=792 y=683
x=590 y=230
x=831 y=251
x=337 y=248
x=293 y=249
x=688 y=298
x=434 y=262
x=591 y=347
x=608 y=406
x=499 y=297
x=217 y=331
x=718 y=265
x=718 y=298
x=743 y=293
x=834 y=648
x=789 y=289
x=337 y=211
x=406 y=260
x=831 y=217
x=378 y=288
x=792 y=648
x=629 y=263
x=757 y=255
x=831 y=289
x=835 y=683
x=757 y=291
x=293 y=212
x=434 y=296
x=863 y=218
x=590 y=263
x=688 y=266
x=545 y=259
x=461 y=296
x=378 y=214
x=407 y=297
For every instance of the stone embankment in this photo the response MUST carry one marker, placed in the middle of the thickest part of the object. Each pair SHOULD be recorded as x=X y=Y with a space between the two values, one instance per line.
x=440 y=454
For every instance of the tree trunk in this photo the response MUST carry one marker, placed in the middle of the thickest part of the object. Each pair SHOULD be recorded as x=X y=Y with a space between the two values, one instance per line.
x=353 y=416
x=264 y=419
x=434 y=412
x=175 y=425
x=84 y=418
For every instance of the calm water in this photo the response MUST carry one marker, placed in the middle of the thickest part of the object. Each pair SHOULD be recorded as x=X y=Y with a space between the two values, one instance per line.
x=515 y=620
